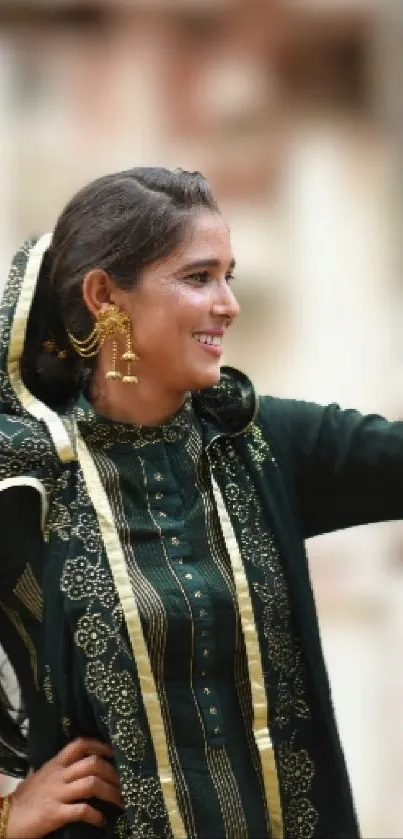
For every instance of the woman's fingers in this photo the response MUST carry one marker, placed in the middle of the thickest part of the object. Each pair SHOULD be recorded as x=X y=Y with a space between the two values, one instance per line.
x=92 y=787
x=92 y=765
x=82 y=812
x=80 y=748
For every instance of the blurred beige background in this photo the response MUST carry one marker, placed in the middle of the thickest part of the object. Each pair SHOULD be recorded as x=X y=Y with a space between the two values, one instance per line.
x=293 y=109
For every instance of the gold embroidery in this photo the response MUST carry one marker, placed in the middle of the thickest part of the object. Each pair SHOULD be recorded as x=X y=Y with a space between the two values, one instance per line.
x=229 y=797
x=258 y=446
x=123 y=830
x=27 y=280
x=29 y=593
x=253 y=654
x=82 y=578
x=297 y=771
x=151 y=703
x=92 y=634
x=26 y=639
x=143 y=796
x=259 y=547
x=117 y=691
x=153 y=611
x=100 y=638
x=58 y=522
x=99 y=434
x=47 y=685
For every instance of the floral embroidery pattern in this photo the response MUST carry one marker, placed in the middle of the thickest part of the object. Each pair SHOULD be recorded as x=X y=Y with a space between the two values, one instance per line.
x=82 y=578
x=298 y=771
x=285 y=676
x=258 y=446
x=100 y=636
x=141 y=794
x=100 y=432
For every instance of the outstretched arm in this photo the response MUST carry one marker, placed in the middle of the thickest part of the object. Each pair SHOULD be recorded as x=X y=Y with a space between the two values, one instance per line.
x=345 y=468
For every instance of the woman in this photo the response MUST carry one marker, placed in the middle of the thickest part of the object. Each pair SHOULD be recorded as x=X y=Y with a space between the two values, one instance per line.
x=154 y=584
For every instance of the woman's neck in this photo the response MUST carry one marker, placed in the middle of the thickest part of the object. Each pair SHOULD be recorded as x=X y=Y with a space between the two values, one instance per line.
x=134 y=403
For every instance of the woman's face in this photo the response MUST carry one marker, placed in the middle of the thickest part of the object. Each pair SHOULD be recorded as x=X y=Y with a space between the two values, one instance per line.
x=182 y=307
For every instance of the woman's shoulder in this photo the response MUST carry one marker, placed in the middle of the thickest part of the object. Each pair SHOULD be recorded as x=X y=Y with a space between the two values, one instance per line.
x=236 y=408
x=231 y=404
x=235 y=405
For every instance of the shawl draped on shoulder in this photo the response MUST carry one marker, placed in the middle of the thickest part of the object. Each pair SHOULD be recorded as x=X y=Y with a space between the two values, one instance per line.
x=32 y=440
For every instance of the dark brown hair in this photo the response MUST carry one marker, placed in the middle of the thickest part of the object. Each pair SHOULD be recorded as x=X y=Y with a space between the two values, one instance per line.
x=120 y=223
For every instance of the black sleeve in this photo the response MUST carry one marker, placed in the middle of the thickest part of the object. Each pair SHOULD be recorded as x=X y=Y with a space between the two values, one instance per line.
x=21 y=538
x=346 y=468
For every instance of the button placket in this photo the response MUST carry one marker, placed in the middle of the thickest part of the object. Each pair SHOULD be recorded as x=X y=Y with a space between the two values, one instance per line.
x=179 y=553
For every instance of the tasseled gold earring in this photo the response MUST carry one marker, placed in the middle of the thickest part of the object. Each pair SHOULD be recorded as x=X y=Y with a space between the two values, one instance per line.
x=129 y=356
x=113 y=373
x=110 y=323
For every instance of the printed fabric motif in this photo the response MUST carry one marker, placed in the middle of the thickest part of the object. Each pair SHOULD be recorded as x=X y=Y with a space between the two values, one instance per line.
x=282 y=655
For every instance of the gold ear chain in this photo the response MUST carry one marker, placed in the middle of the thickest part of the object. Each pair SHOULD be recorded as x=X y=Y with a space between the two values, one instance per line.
x=109 y=323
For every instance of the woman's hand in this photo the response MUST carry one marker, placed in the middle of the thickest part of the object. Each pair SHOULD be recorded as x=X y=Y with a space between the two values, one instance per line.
x=57 y=793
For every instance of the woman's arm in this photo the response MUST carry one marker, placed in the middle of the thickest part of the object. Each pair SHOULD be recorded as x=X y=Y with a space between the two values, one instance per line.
x=346 y=468
x=58 y=794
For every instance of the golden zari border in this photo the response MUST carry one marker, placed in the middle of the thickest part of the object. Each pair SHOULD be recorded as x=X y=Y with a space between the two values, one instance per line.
x=259 y=700
x=148 y=687
x=28 y=401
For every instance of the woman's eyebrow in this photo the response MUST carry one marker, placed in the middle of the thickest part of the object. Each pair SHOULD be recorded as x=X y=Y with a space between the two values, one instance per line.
x=206 y=263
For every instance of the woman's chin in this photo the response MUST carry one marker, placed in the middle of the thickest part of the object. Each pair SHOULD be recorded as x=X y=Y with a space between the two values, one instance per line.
x=205 y=378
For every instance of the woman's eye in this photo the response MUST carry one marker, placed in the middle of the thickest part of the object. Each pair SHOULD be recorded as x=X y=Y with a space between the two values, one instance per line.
x=199 y=278
x=230 y=277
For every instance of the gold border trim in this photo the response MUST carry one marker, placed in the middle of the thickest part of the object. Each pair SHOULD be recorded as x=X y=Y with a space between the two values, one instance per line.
x=259 y=699
x=28 y=401
x=148 y=687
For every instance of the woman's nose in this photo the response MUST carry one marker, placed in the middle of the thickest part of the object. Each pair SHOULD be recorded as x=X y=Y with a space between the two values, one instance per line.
x=225 y=304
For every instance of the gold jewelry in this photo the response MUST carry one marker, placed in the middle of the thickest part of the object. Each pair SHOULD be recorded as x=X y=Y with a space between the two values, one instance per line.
x=4 y=813
x=129 y=356
x=109 y=323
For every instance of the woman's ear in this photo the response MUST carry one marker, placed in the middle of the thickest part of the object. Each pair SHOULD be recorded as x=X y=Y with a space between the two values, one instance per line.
x=98 y=290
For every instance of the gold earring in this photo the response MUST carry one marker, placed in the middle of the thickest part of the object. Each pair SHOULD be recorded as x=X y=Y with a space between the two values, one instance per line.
x=129 y=356
x=113 y=373
x=109 y=323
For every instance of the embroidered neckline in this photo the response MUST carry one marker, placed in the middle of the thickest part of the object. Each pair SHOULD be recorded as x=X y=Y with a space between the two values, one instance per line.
x=100 y=431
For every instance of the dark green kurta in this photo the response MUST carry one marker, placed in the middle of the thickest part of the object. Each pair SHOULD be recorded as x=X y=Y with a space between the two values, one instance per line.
x=183 y=584
x=159 y=485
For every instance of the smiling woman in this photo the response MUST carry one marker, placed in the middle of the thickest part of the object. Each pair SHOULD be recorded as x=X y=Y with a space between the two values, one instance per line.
x=154 y=586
